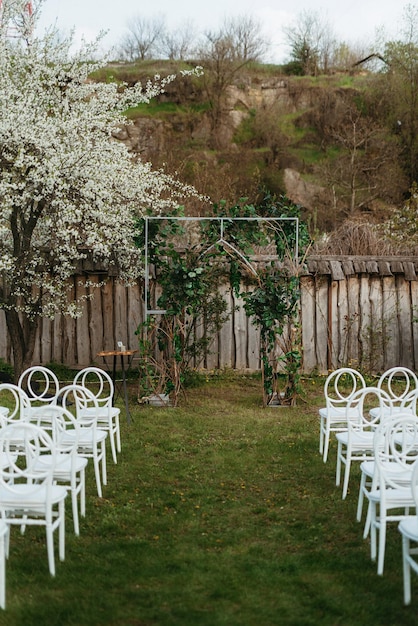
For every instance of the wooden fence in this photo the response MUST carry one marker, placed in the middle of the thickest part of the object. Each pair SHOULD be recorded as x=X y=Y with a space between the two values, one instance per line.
x=354 y=310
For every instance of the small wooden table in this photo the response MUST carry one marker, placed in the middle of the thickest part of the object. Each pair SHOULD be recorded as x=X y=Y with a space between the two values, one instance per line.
x=122 y=354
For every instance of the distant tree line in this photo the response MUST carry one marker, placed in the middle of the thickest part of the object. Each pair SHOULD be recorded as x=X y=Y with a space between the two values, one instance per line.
x=238 y=37
x=313 y=47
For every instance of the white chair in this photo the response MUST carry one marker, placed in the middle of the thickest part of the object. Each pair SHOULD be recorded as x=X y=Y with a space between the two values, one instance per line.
x=29 y=497
x=101 y=385
x=91 y=439
x=408 y=527
x=399 y=383
x=40 y=385
x=390 y=497
x=356 y=442
x=405 y=402
x=14 y=399
x=69 y=466
x=3 y=551
x=338 y=389
x=17 y=401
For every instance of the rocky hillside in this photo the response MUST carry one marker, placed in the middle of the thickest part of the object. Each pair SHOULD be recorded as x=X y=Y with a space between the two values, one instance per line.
x=265 y=131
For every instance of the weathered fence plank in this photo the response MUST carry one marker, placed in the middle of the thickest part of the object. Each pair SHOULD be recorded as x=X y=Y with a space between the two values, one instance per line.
x=323 y=339
x=404 y=321
x=351 y=326
x=82 y=330
x=414 y=312
x=388 y=331
x=308 y=322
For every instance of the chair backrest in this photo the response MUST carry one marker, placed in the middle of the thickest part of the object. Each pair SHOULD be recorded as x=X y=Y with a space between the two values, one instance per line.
x=358 y=409
x=58 y=421
x=34 y=442
x=398 y=382
x=13 y=403
x=341 y=385
x=40 y=384
x=98 y=382
x=76 y=398
x=396 y=449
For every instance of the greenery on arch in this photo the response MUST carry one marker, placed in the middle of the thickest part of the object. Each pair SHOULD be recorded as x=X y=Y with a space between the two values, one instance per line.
x=195 y=263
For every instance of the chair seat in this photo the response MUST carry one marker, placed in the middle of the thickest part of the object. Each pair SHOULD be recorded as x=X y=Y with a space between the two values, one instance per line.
x=358 y=439
x=338 y=414
x=409 y=527
x=392 y=470
x=64 y=463
x=101 y=413
x=367 y=467
x=386 y=411
x=25 y=495
x=394 y=497
x=85 y=437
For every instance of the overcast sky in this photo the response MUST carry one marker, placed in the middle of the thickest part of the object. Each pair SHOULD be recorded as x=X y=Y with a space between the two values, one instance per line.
x=352 y=21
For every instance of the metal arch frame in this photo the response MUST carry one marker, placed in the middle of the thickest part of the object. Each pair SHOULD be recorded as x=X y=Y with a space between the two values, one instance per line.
x=221 y=221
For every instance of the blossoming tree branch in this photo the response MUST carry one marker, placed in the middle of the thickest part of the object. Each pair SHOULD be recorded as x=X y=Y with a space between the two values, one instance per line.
x=67 y=188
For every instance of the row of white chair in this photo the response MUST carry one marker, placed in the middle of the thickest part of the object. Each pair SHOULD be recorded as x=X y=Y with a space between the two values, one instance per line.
x=47 y=436
x=43 y=388
x=341 y=385
x=384 y=439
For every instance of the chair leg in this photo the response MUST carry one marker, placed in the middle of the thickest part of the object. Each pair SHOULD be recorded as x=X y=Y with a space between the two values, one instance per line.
x=382 y=545
x=61 y=530
x=346 y=476
x=321 y=436
x=3 y=540
x=361 y=496
x=97 y=475
x=373 y=528
x=117 y=429
x=83 y=493
x=326 y=445
x=406 y=570
x=74 y=503
x=113 y=444
x=367 y=523
x=104 y=467
x=338 y=468
x=50 y=548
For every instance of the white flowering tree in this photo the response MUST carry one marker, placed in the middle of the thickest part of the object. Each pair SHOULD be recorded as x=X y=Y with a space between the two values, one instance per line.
x=67 y=188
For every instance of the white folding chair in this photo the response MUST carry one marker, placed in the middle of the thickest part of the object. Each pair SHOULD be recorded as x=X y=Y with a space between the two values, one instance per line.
x=69 y=466
x=338 y=389
x=100 y=384
x=91 y=439
x=356 y=442
x=408 y=527
x=390 y=497
x=29 y=497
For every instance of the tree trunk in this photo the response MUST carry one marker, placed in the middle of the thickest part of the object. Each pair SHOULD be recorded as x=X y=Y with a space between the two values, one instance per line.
x=22 y=332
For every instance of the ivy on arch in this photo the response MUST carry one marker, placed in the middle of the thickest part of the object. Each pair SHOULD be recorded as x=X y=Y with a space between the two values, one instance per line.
x=256 y=251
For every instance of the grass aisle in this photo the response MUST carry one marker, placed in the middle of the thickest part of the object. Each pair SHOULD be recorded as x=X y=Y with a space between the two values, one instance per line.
x=219 y=512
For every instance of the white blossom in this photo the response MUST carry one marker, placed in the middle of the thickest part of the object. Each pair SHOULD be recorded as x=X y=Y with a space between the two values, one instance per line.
x=68 y=189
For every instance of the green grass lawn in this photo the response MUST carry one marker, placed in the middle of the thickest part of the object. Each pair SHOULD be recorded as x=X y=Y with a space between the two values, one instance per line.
x=219 y=512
